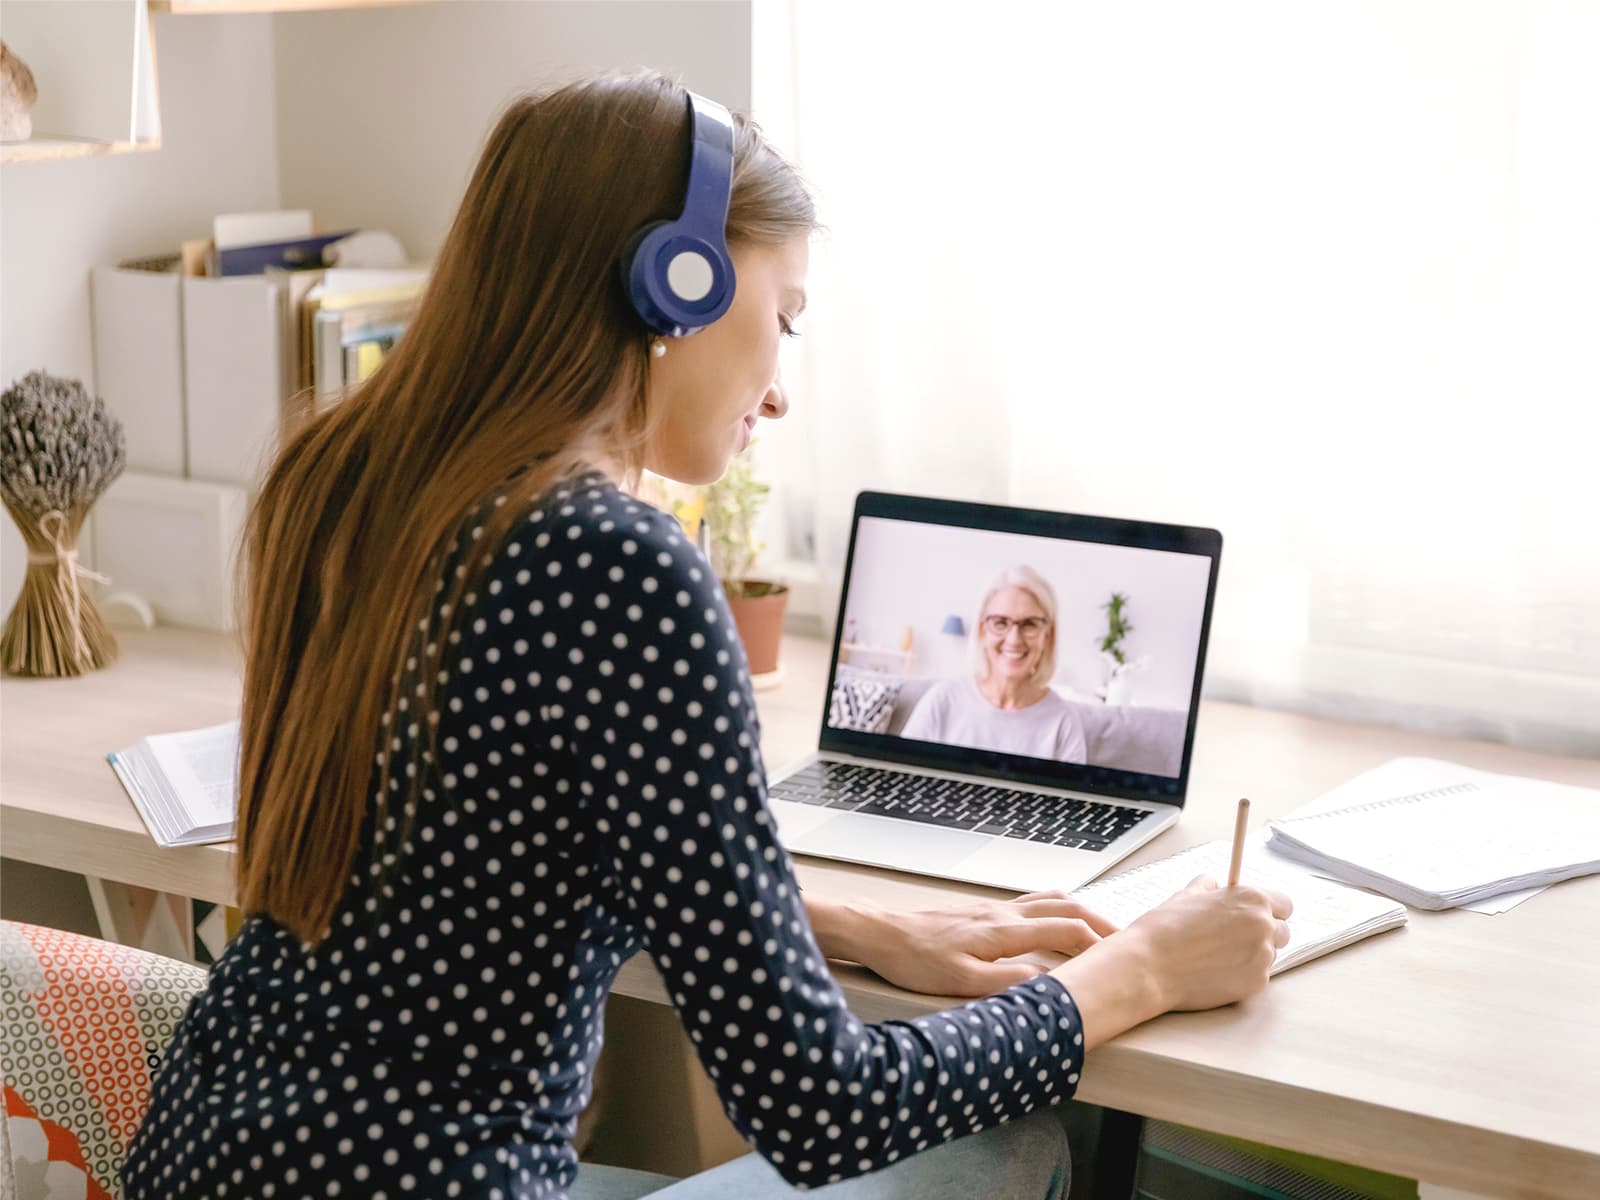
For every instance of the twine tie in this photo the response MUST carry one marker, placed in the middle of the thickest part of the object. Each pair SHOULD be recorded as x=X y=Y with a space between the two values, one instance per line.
x=68 y=570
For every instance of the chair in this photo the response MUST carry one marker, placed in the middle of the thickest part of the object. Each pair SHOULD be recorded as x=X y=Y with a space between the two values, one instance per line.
x=85 y=1023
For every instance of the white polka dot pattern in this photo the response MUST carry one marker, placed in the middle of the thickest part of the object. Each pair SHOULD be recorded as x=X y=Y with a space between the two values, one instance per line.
x=598 y=789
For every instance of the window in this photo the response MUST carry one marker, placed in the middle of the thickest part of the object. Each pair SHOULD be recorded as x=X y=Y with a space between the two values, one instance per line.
x=1319 y=276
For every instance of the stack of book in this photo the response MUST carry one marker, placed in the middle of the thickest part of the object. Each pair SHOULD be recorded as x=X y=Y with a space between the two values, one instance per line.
x=347 y=321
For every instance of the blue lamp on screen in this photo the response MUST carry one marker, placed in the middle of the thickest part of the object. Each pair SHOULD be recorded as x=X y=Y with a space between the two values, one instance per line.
x=954 y=626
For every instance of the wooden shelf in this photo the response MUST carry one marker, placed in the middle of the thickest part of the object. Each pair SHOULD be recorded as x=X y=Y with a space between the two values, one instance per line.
x=856 y=654
x=859 y=648
x=43 y=149
x=195 y=7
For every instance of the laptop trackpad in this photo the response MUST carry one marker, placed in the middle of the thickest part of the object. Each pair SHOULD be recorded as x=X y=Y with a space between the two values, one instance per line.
x=797 y=820
x=860 y=838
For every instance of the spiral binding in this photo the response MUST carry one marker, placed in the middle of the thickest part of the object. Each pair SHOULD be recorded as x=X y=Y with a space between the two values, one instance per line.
x=1107 y=880
x=1432 y=793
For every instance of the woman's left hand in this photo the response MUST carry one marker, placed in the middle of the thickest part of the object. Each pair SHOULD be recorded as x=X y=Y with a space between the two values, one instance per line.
x=959 y=951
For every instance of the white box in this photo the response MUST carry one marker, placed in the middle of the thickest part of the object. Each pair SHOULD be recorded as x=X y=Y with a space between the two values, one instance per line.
x=138 y=363
x=234 y=387
x=174 y=543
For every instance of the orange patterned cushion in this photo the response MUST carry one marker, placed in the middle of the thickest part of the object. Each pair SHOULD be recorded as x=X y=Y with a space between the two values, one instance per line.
x=46 y=1159
x=85 y=1022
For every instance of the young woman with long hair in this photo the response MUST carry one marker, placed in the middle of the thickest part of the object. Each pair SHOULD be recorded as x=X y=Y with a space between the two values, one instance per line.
x=498 y=735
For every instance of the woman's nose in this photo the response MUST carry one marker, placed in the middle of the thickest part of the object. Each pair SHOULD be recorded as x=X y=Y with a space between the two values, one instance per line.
x=775 y=403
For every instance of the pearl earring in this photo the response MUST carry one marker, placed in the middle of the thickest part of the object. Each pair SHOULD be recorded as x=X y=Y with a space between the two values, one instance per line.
x=658 y=348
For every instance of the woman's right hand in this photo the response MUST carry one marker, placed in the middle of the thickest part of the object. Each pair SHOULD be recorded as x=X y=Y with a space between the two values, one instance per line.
x=1206 y=946
x=1212 y=945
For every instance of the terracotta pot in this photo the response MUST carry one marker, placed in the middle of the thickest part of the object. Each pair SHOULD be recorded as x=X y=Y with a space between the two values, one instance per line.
x=758 y=613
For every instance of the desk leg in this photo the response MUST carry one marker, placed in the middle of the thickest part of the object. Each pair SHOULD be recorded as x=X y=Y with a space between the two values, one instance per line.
x=1116 y=1157
x=136 y=916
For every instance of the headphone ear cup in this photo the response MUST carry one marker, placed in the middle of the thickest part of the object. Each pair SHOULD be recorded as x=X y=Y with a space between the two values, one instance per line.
x=676 y=280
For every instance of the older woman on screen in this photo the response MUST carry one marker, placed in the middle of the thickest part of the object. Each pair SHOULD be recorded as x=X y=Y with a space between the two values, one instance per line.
x=1007 y=704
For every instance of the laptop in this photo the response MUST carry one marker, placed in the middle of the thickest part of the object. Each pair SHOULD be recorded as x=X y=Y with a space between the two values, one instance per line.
x=972 y=726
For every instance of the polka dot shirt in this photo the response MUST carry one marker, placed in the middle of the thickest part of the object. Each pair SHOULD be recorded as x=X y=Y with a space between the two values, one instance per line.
x=598 y=790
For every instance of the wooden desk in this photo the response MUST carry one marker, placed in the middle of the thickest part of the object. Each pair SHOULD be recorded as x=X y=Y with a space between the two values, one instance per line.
x=1463 y=1050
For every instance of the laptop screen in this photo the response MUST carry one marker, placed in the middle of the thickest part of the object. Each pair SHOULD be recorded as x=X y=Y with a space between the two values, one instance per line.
x=1046 y=647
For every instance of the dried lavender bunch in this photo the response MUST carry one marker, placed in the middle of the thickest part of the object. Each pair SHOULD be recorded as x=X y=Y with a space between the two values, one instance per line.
x=59 y=450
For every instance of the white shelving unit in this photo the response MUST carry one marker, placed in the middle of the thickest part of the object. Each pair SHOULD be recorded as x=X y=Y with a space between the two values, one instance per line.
x=120 y=67
x=876 y=658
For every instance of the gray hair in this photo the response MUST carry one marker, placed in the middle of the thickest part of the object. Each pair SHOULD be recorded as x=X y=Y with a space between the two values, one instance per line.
x=1026 y=579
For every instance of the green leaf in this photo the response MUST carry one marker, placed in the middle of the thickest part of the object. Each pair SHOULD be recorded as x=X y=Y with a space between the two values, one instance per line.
x=733 y=506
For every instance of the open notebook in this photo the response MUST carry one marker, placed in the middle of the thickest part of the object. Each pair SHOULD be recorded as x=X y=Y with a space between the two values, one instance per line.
x=1327 y=916
x=183 y=784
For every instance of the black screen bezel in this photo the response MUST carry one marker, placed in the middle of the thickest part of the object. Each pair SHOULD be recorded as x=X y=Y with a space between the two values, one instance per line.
x=1144 y=535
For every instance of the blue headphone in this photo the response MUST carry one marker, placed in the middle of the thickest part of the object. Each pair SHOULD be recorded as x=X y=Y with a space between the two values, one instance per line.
x=678 y=275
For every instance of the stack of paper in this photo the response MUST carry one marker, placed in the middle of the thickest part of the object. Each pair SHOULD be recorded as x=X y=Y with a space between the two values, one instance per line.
x=1436 y=835
x=1326 y=916
x=183 y=784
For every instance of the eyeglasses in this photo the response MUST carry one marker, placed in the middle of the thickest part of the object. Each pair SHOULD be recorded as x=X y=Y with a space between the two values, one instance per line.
x=1028 y=627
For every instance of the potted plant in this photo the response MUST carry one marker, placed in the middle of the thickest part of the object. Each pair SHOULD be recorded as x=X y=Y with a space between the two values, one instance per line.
x=1118 y=666
x=732 y=506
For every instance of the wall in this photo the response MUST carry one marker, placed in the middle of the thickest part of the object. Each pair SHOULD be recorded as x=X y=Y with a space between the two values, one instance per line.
x=381 y=113
x=60 y=219
x=916 y=575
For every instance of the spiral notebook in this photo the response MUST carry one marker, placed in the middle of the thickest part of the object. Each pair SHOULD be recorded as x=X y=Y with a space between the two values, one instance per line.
x=1327 y=916
x=1437 y=835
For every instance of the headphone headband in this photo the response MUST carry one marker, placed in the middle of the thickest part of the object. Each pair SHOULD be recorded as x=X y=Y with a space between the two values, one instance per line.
x=678 y=274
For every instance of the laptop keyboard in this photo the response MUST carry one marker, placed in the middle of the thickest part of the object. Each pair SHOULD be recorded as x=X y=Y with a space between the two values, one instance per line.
x=956 y=804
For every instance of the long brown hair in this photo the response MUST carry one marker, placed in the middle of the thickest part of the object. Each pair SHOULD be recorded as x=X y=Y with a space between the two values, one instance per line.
x=522 y=363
